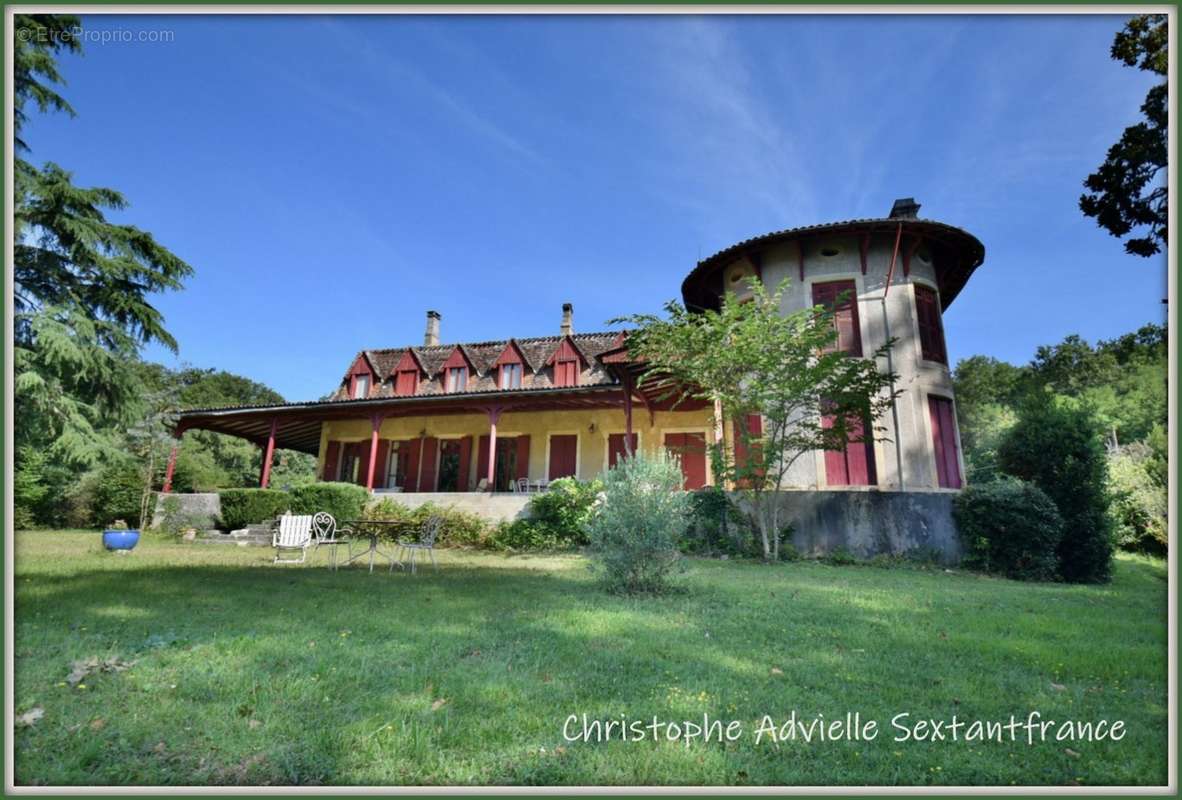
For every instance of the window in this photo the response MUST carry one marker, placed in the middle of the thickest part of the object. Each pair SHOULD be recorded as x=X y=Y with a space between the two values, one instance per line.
x=841 y=298
x=360 y=386
x=931 y=330
x=944 y=442
x=510 y=376
x=566 y=372
x=855 y=465
x=457 y=379
x=407 y=382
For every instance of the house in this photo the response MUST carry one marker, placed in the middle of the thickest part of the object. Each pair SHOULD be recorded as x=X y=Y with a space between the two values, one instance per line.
x=473 y=416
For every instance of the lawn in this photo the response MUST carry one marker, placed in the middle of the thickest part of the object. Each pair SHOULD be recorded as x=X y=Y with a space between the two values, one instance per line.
x=248 y=673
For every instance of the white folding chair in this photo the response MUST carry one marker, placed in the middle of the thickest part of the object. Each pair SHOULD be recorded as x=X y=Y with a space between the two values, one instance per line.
x=292 y=533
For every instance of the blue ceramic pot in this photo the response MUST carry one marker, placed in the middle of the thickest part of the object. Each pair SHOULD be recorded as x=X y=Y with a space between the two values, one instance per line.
x=120 y=540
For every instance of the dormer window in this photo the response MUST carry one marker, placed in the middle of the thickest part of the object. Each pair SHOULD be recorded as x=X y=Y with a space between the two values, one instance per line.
x=510 y=376
x=566 y=372
x=457 y=379
x=360 y=386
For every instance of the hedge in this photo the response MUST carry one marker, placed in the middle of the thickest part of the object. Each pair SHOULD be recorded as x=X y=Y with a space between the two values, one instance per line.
x=1009 y=527
x=343 y=500
x=242 y=507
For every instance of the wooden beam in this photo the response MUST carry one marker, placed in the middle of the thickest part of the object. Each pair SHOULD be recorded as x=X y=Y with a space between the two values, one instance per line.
x=800 y=258
x=268 y=453
x=864 y=247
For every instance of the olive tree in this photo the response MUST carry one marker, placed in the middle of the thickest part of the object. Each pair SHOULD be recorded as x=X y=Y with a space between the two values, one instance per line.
x=750 y=358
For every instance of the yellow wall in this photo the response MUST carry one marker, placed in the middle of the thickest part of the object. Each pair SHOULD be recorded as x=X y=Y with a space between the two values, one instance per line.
x=538 y=425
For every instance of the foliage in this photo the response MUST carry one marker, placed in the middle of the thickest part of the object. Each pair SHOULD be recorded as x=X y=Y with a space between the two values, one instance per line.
x=982 y=431
x=243 y=507
x=1010 y=527
x=1128 y=190
x=565 y=508
x=636 y=529
x=28 y=488
x=1139 y=502
x=717 y=526
x=751 y=358
x=173 y=518
x=458 y=528
x=343 y=500
x=521 y=535
x=118 y=493
x=1057 y=445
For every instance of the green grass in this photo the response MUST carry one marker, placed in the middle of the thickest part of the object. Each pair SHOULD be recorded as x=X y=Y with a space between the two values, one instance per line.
x=250 y=673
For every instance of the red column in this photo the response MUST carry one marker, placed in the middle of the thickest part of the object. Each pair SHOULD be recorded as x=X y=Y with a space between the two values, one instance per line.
x=375 y=421
x=268 y=453
x=494 y=416
x=171 y=468
x=628 y=416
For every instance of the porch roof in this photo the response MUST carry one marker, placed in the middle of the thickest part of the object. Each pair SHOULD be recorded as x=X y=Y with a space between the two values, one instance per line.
x=298 y=424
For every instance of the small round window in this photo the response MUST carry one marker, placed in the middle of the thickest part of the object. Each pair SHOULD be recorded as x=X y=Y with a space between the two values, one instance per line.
x=829 y=251
x=924 y=255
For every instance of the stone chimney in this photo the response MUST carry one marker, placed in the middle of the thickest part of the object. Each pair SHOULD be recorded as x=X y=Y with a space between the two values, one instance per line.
x=431 y=337
x=905 y=208
x=568 y=313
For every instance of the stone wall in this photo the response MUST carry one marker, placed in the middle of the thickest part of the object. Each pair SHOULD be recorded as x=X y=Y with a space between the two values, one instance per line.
x=493 y=507
x=870 y=523
x=203 y=509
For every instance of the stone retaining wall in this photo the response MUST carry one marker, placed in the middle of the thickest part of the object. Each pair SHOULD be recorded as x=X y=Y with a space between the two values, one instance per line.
x=203 y=509
x=493 y=507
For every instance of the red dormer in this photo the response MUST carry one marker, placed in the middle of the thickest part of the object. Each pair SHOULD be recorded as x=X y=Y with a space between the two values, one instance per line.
x=406 y=375
x=456 y=371
x=510 y=367
x=568 y=363
x=361 y=379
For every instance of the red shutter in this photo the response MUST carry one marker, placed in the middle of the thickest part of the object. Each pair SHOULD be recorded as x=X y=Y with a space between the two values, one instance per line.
x=465 y=462
x=332 y=454
x=845 y=313
x=407 y=383
x=690 y=448
x=753 y=425
x=931 y=331
x=379 y=472
x=522 y=457
x=482 y=459
x=362 y=462
x=410 y=483
x=429 y=459
x=563 y=454
x=944 y=442
x=615 y=448
x=853 y=466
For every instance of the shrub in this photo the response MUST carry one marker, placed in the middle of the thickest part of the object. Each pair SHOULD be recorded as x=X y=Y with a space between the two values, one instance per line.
x=1139 y=503
x=343 y=500
x=636 y=528
x=564 y=509
x=1056 y=444
x=840 y=556
x=526 y=534
x=717 y=526
x=118 y=494
x=242 y=507
x=1009 y=527
x=458 y=529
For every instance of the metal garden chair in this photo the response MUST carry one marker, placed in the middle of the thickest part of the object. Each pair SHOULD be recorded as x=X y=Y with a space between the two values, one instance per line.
x=327 y=534
x=425 y=542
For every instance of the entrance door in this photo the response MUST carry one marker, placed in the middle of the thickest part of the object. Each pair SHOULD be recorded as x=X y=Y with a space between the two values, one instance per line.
x=449 y=465
x=691 y=449
x=506 y=470
x=398 y=464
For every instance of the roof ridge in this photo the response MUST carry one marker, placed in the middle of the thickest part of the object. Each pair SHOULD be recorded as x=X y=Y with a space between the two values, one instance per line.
x=487 y=342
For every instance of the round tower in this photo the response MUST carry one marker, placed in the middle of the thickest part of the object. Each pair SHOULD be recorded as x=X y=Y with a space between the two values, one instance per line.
x=892 y=277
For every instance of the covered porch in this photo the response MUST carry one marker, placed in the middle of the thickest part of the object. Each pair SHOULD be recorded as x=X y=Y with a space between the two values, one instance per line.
x=477 y=442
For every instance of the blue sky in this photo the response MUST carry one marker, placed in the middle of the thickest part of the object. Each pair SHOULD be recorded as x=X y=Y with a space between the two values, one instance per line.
x=331 y=178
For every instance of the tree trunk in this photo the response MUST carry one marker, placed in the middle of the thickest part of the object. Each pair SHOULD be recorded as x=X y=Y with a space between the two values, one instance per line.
x=761 y=518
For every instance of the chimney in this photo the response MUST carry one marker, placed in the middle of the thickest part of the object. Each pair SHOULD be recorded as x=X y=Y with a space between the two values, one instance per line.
x=431 y=337
x=568 y=313
x=905 y=208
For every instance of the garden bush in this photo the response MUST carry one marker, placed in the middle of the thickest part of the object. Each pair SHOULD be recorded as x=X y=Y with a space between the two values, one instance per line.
x=717 y=526
x=343 y=500
x=458 y=529
x=118 y=493
x=242 y=507
x=1057 y=445
x=526 y=534
x=636 y=528
x=1009 y=527
x=564 y=509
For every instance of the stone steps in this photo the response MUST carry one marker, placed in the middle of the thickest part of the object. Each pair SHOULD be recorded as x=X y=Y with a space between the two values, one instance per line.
x=246 y=537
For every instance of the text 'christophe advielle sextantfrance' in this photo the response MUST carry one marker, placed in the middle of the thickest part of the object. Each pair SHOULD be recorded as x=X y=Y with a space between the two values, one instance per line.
x=1030 y=729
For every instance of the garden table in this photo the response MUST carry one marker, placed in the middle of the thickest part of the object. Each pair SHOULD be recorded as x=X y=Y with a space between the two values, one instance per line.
x=372 y=528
